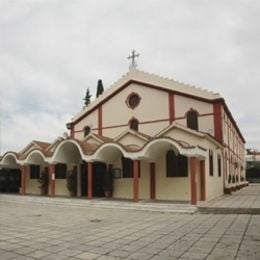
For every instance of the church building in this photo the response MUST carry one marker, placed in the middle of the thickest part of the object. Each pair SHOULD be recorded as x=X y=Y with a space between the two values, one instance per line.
x=145 y=138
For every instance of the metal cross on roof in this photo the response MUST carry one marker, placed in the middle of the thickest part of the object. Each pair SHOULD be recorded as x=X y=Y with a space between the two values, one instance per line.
x=134 y=55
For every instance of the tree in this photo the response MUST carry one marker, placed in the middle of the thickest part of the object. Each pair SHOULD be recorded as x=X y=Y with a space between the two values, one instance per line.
x=100 y=88
x=87 y=98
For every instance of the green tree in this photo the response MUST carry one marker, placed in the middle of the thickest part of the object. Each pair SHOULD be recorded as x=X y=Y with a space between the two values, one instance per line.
x=87 y=98
x=100 y=88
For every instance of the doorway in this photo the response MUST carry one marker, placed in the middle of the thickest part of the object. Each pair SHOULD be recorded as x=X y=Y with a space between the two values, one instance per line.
x=99 y=170
x=10 y=180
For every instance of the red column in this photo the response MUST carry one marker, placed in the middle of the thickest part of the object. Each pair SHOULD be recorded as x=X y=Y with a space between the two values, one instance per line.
x=52 y=180
x=202 y=180
x=136 y=180
x=100 y=120
x=23 y=179
x=152 y=181
x=171 y=107
x=90 y=174
x=218 y=131
x=193 y=180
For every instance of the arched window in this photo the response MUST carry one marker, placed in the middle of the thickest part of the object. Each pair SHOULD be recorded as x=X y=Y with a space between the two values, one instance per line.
x=192 y=120
x=134 y=124
x=176 y=165
x=87 y=130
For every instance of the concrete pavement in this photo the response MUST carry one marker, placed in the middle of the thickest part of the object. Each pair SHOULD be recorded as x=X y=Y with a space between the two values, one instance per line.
x=33 y=230
x=244 y=201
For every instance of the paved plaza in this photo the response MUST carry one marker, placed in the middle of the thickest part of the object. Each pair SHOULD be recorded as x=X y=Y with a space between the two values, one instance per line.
x=51 y=230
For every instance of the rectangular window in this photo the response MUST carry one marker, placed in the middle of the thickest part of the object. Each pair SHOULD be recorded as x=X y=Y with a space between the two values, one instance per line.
x=34 y=171
x=176 y=165
x=128 y=168
x=211 y=167
x=219 y=166
x=60 y=171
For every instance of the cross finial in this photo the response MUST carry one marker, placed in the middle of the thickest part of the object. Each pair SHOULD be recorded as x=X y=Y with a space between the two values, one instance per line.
x=133 y=55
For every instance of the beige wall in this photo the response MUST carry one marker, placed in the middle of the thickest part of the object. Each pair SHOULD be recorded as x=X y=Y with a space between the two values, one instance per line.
x=214 y=184
x=147 y=110
x=91 y=120
x=184 y=104
x=131 y=139
x=170 y=188
x=32 y=186
x=123 y=187
x=60 y=187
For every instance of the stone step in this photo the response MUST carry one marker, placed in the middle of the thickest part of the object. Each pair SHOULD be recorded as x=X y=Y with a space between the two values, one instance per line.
x=222 y=210
x=102 y=203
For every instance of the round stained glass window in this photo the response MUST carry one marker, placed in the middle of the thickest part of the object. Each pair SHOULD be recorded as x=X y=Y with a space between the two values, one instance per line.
x=133 y=100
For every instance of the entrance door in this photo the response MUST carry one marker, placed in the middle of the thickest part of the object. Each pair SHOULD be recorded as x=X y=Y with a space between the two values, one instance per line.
x=99 y=170
x=84 y=179
x=10 y=180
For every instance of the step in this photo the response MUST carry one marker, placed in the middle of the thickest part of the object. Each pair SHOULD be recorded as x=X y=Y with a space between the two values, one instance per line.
x=101 y=203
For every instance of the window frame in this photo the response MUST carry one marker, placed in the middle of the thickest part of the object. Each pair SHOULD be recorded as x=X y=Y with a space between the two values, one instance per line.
x=211 y=163
x=134 y=124
x=192 y=119
x=60 y=171
x=176 y=165
x=86 y=130
x=35 y=171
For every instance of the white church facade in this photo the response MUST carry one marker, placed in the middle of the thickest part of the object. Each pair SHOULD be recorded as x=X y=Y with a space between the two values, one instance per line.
x=145 y=138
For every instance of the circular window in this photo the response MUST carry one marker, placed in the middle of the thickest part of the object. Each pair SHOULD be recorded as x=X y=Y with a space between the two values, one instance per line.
x=133 y=100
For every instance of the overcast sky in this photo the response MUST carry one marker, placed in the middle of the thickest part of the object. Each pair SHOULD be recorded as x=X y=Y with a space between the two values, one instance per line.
x=51 y=51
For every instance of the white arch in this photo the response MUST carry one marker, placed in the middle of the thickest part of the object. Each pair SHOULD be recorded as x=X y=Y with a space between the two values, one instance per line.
x=10 y=160
x=35 y=157
x=108 y=152
x=68 y=151
x=157 y=146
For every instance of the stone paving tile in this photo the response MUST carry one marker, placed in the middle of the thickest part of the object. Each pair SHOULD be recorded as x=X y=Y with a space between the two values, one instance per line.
x=9 y=255
x=87 y=256
x=23 y=250
x=195 y=256
x=119 y=253
x=55 y=257
x=163 y=257
x=105 y=257
x=140 y=256
x=22 y=257
x=38 y=254
x=62 y=233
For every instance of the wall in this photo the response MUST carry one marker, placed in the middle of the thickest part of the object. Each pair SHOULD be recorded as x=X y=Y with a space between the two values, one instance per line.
x=214 y=184
x=170 y=188
x=32 y=185
x=146 y=111
x=91 y=120
x=205 y=110
x=123 y=187
x=60 y=187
